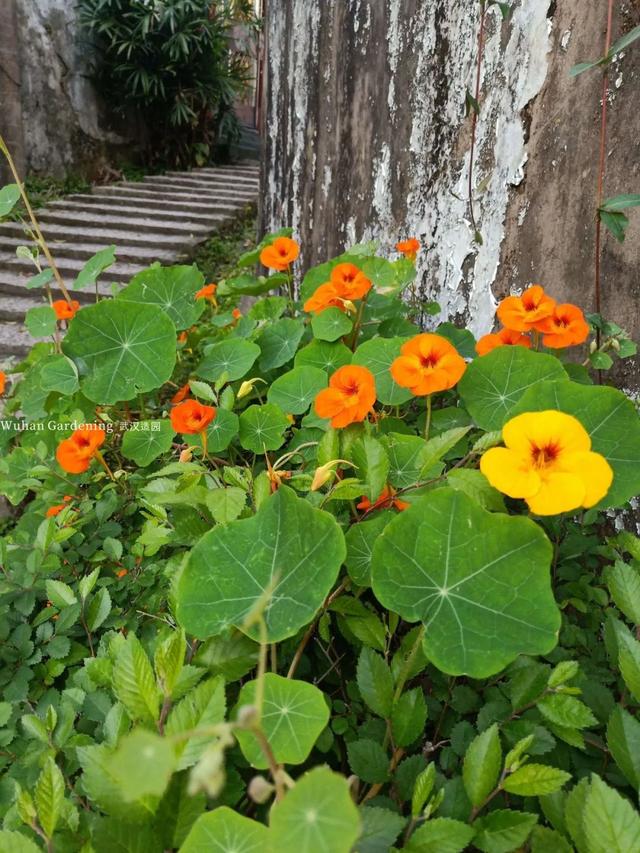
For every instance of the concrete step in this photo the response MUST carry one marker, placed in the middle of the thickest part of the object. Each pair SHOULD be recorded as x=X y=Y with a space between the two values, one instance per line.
x=139 y=211
x=168 y=194
x=202 y=181
x=60 y=237
x=13 y=284
x=84 y=251
x=15 y=340
x=14 y=307
x=165 y=208
x=151 y=225
x=243 y=171
x=70 y=267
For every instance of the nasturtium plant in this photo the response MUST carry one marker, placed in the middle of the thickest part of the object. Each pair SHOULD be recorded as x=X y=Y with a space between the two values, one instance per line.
x=263 y=562
x=298 y=576
x=171 y=288
x=121 y=349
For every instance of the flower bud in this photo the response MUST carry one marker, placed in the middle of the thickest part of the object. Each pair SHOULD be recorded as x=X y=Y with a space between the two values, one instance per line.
x=186 y=455
x=260 y=790
x=247 y=716
x=323 y=472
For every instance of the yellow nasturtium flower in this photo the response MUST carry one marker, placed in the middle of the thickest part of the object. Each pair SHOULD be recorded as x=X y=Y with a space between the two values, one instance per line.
x=548 y=461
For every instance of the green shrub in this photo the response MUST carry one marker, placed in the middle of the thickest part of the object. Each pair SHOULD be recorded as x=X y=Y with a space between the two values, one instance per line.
x=171 y=64
x=226 y=620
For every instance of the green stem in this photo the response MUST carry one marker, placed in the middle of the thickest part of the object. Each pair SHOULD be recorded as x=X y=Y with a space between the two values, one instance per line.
x=427 y=425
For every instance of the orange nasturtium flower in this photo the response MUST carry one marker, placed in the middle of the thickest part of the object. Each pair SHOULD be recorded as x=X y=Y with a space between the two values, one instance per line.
x=122 y=573
x=350 y=281
x=207 y=292
x=386 y=500
x=409 y=248
x=279 y=254
x=191 y=417
x=236 y=313
x=3 y=381
x=566 y=327
x=75 y=453
x=505 y=337
x=65 y=310
x=327 y=295
x=181 y=394
x=548 y=461
x=428 y=363
x=521 y=313
x=54 y=510
x=349 y=397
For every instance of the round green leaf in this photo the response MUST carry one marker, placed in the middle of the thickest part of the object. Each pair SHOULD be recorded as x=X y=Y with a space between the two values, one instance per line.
x=494 y=383
x=59 y=374
x=232 y=357
x=171 y=288
x=331 y=324
x=225 y=831
x=318 y=814
x=289 y=548
x=479 y=582
x=147 y=441
x=121 y=349
x=296 y=390
x=279 y=342
x=294 y=714
x=360 y=539
x=377 y=355
x=41 y=321
x=324 y=355
x=611 y=420
x=262 y=428
x=220 y=432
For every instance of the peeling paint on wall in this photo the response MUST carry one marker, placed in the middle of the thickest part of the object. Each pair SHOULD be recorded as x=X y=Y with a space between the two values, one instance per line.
x=369 y=97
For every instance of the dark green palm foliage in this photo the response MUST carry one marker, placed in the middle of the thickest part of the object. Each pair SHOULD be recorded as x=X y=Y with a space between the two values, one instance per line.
x=173 y=64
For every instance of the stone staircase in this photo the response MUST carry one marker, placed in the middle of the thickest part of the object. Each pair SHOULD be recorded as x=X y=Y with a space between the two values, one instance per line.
x=161 y=218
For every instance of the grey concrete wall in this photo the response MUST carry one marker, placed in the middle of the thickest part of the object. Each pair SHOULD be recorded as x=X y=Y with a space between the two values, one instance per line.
x=52 y=106
x=366 y=137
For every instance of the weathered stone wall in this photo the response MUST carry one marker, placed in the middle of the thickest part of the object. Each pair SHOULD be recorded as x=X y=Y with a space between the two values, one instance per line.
x=53 y=105
x=367 y=137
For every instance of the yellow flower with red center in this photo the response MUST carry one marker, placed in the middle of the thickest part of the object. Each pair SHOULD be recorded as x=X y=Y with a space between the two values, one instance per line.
x=549 y=463
x=409 y=248
x=428 y=363
x=566 y=327
x=280 y=254
x=503 y=338
x=521 y=313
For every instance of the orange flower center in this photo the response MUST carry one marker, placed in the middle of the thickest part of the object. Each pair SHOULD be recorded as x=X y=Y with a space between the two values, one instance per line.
x=351 y=389
x=544 y=456
x=529 y=304
x=81 y=441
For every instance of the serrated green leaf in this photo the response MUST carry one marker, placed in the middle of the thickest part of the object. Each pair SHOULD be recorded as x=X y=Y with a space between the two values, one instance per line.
x=441 y=835
x=408 y=717
x=611 y=824
x=623 y=740
x=203 y=706
x=49 y=796
x=482 y=764
x=368 y=760
x=226 y=504
x=567 y=711
x=624 y=585
x=534 y=780
x=60 y=594
x=133 y=681
x=503 y=831
x=375 y=682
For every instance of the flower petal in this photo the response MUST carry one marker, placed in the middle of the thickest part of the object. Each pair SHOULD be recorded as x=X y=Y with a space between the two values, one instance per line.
x=509 y=473
x=558 y=493
x=594 y=471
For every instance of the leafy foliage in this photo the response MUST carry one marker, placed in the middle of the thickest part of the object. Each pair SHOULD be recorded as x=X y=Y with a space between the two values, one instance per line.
x=278 y=635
